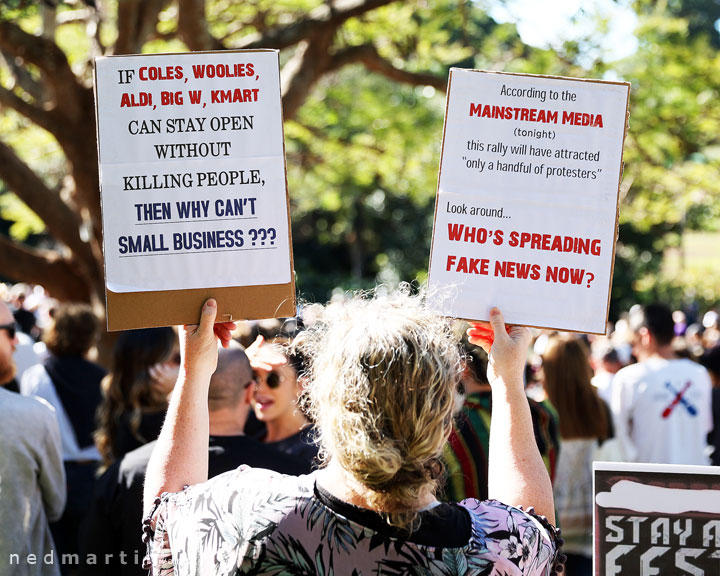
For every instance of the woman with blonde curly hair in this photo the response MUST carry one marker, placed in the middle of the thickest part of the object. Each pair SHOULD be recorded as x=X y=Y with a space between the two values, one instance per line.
x=381 y=390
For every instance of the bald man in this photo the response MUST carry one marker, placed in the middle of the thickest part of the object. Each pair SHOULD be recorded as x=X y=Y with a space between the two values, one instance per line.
x=113 y=544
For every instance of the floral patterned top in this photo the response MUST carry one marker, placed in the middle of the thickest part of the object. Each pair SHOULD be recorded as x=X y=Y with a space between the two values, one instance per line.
x=254 y=521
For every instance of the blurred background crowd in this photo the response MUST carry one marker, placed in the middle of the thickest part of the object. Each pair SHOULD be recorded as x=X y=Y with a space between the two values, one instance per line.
x=647 y=391
x=363 y=104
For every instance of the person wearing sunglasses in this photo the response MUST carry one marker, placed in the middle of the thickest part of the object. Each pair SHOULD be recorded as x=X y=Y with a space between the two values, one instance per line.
x=112 y=527
x=278 y=373
x=8 y=342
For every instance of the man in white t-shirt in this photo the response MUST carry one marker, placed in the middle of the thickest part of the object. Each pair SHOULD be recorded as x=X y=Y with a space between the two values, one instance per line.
x=661 y=405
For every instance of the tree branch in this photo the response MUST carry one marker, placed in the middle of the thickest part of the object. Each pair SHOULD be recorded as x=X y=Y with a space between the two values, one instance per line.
x=62 y=223
x=136 y=21
x=368 y=56
x=81 y=153
x=56 y=274
x=81 y=15
x=43 y=118
x=47 y=56
x=328 y=15
x=23 y=79
x=298 y=76
x=193 y=27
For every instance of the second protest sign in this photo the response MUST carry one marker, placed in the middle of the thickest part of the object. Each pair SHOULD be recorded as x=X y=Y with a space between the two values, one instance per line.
x=526 y=210
x=194 y=192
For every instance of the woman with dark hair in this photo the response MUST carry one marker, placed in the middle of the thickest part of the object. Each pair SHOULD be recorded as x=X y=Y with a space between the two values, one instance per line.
x=135 y=393
x=382 y=385
x=279 y=374
x=585 y=424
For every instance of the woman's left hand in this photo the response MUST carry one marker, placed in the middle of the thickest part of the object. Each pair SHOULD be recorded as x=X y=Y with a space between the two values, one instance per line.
x=199 y=342
x=505 y=345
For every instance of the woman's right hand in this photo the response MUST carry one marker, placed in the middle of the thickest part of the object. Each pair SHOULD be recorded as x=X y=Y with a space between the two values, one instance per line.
x=199 y=342
x=506 y=347
x=516 y=474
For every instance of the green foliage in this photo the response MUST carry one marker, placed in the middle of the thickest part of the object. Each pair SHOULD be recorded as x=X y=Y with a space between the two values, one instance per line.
x=363 y=151
x=39 y=150
x=671 y=155
x=25 y=222
x=700 y=16
x=362 y=166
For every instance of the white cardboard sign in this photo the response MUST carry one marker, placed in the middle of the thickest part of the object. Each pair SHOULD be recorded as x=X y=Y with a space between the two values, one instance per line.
x=192 y=171
x=526 y=209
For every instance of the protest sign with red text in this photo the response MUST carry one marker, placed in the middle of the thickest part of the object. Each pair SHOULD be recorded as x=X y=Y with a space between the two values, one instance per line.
x=526 y=210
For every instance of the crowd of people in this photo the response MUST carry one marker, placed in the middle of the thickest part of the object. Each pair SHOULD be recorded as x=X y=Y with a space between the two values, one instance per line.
x=366 y=422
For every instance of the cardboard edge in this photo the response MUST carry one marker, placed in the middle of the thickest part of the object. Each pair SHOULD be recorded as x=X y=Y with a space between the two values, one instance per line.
x=537 y=327
x=126 y=310
x=656 y=468
x=437 y=188
x=569 y=78
x=287 y=196
x=100 y=193
x=236 y=50
x=617 y=202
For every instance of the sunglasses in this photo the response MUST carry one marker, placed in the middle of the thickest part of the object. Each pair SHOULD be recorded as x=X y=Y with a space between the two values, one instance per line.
x=273 y=379
x=11 y=329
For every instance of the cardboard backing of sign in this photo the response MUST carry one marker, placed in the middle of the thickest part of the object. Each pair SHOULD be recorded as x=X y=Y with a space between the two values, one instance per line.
x=144 y=309
x=510 y=315
x=176 y=307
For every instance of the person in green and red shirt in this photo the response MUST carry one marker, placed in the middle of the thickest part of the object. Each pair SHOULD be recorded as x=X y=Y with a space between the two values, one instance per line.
x=466 y=452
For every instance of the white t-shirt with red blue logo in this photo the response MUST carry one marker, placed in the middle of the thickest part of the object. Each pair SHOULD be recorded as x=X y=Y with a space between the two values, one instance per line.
x=662 y=411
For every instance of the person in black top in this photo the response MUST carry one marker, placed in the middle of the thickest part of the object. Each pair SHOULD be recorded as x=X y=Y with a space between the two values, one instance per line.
x=25 y=318
x=112 y=543
x=70 y=383
x=711 y=360
x=279 y=375
x=135 y=393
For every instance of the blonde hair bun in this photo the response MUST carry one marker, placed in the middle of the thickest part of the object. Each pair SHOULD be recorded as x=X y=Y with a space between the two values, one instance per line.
x=382 y=386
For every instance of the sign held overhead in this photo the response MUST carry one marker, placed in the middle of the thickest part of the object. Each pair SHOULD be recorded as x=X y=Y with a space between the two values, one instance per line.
x=527 y=200
x=193 y=185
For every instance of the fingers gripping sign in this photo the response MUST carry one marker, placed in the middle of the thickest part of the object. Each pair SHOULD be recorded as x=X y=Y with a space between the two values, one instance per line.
x=506 y=346
x=199 y=342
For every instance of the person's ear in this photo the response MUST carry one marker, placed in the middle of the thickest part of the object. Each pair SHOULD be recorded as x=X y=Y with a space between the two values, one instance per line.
x=467 y=373
x=301 y=382
x=646 y=338
x=248 y=393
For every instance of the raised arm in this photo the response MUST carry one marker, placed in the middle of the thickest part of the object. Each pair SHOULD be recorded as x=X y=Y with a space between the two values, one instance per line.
x=516 y=472
x=180 y=457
